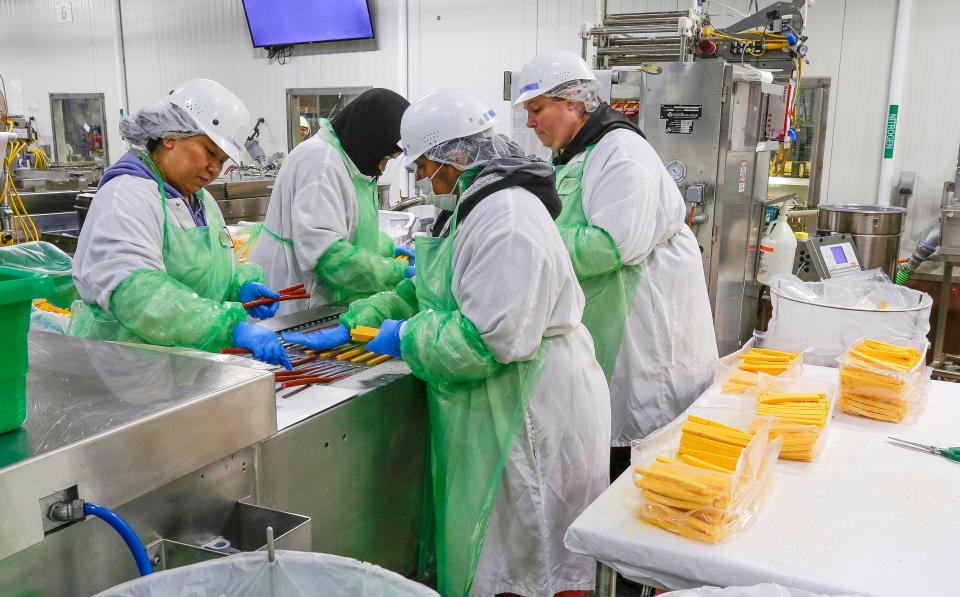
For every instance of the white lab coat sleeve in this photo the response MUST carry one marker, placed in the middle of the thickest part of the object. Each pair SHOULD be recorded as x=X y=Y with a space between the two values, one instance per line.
x=320 y=215
x=503 y=276
x=622 y=194
x=122 y=233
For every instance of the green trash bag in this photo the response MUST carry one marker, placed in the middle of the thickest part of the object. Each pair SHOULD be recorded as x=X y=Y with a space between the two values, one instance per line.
x=44 y=258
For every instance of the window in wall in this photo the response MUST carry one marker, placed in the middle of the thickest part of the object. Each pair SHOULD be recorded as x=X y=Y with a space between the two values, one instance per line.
x=79 y=122
x=800 y=172
x=308 y=106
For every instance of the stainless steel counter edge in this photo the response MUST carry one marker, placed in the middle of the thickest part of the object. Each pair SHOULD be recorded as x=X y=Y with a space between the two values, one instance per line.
x=131 y=460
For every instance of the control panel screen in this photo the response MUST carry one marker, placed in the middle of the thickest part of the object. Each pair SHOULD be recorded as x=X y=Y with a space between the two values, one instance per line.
x=838 y=255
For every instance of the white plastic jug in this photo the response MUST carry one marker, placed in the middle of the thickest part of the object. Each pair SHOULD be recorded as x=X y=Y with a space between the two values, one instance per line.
x=777 y=250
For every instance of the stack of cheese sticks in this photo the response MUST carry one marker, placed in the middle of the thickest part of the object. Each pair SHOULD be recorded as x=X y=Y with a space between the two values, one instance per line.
x=752 y=363
x=704 y=492
x=881 y=380
x=800 y=421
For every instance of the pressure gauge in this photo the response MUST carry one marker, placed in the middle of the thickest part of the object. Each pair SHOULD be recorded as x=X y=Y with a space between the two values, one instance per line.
x=677 y=170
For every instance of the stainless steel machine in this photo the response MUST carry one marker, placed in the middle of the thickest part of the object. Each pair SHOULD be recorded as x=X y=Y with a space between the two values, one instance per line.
x=191 y=448
x=875 y=230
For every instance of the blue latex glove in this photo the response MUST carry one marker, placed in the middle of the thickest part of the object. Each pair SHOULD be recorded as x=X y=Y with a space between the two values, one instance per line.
x=324 y=339
x=411 y=271
x=251 y=291
x=263 y=343
x=410 y=253
x=388 y=339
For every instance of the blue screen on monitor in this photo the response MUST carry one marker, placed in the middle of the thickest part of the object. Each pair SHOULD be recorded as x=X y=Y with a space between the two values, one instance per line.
x=838 y=255
x=287 y=22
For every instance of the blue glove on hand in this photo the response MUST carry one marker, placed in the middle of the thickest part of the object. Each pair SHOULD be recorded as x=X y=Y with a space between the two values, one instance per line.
x=324 y=339
x=411 y=271
x=251 y=291
x=263 y=343
x=388 y=339
x=410 y=253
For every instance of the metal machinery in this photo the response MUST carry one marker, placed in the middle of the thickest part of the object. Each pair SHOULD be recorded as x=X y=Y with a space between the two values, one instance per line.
x=947 y=366
x=190 y=447
x=875 y=230
x=716 y=104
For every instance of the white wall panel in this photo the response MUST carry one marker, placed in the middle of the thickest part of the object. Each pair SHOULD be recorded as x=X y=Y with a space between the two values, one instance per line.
x=46 y=57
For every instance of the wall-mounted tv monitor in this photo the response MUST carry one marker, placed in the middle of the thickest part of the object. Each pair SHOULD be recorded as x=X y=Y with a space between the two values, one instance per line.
x=289 y=22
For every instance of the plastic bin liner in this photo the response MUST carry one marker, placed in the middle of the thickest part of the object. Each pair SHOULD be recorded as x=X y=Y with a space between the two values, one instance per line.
x=293 y=574
x=764 y=590
x=829 y=316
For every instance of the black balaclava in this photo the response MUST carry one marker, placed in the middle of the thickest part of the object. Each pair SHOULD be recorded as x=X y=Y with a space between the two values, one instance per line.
x=369 y=128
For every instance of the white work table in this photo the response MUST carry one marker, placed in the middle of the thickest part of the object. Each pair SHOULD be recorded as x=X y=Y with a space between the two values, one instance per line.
x=867 y=517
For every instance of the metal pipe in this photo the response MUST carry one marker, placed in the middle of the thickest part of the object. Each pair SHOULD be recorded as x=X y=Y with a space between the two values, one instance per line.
x=120 y=57
x=898 y=68
x=409 y=203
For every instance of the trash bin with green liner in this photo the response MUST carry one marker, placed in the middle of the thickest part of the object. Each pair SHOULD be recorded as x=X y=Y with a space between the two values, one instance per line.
x=18 y=288
x=44 y=258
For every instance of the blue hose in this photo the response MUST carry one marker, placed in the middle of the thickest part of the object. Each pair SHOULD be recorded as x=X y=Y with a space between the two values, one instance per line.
x=126 y=531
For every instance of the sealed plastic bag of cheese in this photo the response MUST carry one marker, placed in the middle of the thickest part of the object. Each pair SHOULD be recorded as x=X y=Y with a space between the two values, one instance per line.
x=705 y=475
x=802 y=408
x=740 y=371
x=884 y=379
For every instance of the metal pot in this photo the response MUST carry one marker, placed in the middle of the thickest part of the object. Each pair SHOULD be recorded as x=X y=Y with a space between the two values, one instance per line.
x=861 y=219
x=875 y=230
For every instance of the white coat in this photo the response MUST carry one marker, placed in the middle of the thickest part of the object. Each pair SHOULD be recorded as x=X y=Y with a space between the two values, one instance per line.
x=313 y=203
x=669 y=348
x=123 y=232
x=513 y=279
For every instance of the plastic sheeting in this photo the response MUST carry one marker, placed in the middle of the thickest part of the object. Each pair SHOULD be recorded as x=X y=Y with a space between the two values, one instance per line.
x=293 y=574
x=764 y=590
x=830 y=315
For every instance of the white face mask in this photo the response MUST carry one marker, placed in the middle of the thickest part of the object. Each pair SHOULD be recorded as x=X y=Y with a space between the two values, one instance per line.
x=445 y=201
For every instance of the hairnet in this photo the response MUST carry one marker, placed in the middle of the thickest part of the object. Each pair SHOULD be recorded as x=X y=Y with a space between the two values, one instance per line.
x=578 y=90
x=476 y=150
x=159 y=120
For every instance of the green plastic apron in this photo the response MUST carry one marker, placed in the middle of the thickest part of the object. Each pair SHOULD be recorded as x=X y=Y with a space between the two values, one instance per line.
x=367 y=234
x=608 y=296
x=200 y=258
x=473 y=426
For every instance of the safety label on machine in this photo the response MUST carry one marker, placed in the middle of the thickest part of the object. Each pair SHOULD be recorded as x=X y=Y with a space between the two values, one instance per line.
x=680 y=117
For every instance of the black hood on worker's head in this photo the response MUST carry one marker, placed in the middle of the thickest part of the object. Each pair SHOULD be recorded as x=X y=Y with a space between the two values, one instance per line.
x=602 y=120
x=369 y=127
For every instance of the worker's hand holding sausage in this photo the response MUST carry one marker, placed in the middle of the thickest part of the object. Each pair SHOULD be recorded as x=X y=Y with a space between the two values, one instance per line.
x=388 y=339
x=254 y=290
x=262 y=343
x=324 y=339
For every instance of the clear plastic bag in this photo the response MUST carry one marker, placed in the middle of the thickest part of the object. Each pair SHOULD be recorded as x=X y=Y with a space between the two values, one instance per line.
x=884 y=378
x=44 y=258
x=703 y=502
x=293 y=574
x=734 y=376
x=803 y=440
x=762 y=590
x=830 y=315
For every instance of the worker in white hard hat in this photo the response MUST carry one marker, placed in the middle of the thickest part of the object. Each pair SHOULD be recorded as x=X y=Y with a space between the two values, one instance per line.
x=304 y=128
x=154 y=261
x=322 y=227
x=519 y=410
x=639 y=265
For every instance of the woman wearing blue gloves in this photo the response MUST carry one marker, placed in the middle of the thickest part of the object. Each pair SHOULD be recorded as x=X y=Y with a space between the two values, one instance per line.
x=154 y=261
x=519 y=408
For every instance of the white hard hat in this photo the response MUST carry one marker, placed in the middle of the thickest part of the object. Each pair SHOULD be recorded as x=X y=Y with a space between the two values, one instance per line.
x=218 y=111
x=549 y=69
x=304 y=124
x=441 y=116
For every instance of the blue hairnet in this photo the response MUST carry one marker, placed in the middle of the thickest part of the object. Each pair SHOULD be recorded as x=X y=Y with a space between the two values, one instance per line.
x=159 y=120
